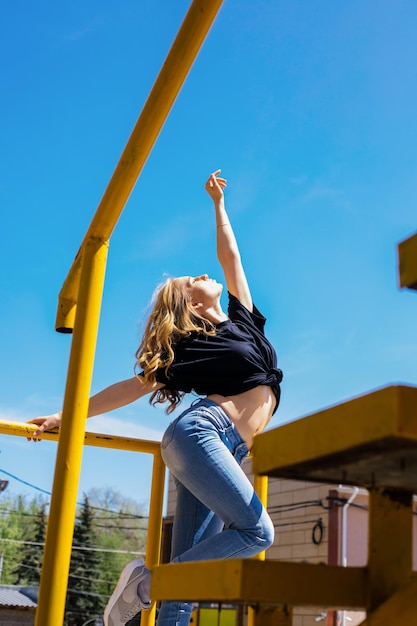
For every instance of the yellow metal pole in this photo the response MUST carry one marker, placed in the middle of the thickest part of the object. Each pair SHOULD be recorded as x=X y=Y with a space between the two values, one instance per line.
x=267 y=615
x=260 y=484
x=153 y=541
x=56 y=560
x=390 y=543
x=97 y=440
x=172 y=75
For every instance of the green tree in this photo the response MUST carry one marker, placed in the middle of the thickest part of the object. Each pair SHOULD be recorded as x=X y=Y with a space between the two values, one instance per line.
x=109 y=531
x=9 y=533
x=83 y=598
x=16 y=529
x=121 y=529
x=28 y=571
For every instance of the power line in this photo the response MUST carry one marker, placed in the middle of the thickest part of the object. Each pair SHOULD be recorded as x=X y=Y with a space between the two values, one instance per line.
x=95 y=521
x=81 y=548
x=24 y=482
x=96 y=508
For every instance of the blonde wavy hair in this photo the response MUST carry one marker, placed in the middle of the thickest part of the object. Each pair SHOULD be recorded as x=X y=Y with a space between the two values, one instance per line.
x=171 y=319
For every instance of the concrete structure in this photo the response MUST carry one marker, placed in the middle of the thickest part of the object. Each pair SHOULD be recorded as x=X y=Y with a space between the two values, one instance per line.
x=315 y=523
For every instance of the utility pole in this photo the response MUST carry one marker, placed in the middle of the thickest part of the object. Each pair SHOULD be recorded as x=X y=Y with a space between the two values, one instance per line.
x=3 y=486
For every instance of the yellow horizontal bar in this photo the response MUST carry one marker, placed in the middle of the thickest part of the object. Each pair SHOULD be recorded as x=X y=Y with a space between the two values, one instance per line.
x=377 y=425
x=407 y=260
x=91 y=439
x=167 y=86
x=264 y=582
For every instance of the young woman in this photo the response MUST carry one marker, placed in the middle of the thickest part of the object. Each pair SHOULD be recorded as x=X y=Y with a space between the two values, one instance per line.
x=191 y=345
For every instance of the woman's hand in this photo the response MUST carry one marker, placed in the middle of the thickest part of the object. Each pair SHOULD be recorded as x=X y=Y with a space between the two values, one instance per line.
x=215 y=185
x=49 y=422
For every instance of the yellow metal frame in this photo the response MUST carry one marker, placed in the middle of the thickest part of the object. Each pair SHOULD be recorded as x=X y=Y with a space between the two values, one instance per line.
x=79 y=309
x=366 y=441
x=166 y=88
x=369 y=441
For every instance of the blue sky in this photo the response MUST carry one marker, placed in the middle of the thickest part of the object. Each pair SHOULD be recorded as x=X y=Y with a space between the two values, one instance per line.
x=309 y=110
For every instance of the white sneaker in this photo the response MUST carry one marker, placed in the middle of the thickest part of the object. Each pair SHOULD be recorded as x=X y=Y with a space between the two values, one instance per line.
x=128 y=598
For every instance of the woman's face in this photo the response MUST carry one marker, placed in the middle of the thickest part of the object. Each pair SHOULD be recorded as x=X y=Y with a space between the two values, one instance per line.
x=202 y=289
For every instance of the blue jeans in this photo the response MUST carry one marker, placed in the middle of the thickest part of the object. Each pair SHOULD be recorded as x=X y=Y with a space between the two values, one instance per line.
x=218 y=514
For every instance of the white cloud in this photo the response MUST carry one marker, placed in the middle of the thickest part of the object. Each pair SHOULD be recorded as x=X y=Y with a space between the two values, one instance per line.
x=324 y=192
x=110 y=425
x=12 y=415
x=85 y=30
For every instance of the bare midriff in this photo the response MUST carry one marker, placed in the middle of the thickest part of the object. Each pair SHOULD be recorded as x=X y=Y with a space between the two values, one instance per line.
x=250 y=411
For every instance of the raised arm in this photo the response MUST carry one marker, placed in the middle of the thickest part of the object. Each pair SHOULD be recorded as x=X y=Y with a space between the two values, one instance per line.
x=109 y=399
x=227 y=248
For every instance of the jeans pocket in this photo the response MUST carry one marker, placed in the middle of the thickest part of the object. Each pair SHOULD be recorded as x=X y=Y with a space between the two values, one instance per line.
x=169 y=434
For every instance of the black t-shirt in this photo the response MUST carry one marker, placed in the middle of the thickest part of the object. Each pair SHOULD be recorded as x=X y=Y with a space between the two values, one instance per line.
x=237 y=358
